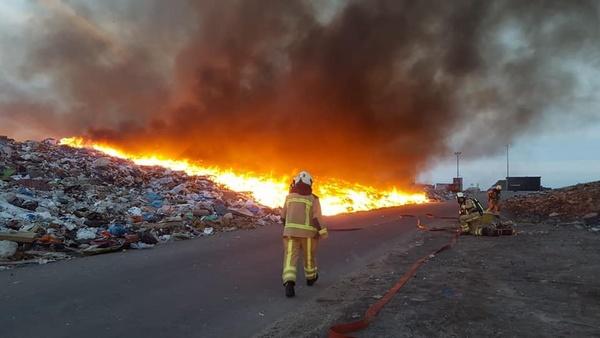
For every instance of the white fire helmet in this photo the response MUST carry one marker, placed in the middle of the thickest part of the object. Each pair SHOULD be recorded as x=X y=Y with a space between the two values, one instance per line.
x=303 y=177
x=459 y=195
x=498 y=187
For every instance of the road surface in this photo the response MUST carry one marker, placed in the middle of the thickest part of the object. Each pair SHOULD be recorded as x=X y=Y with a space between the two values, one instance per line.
x=227 y=285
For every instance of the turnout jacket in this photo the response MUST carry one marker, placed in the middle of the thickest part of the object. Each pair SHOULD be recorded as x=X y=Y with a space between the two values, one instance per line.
x=468 y=207
x=493 y=195
x=301 y=215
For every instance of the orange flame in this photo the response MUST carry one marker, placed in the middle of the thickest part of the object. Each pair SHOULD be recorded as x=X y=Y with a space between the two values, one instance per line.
x=336 y=196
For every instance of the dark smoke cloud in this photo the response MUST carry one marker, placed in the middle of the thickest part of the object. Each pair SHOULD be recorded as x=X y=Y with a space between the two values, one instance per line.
x=372 y=93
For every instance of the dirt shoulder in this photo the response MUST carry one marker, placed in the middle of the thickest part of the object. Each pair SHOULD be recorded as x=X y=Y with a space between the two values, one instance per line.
x=541 y=282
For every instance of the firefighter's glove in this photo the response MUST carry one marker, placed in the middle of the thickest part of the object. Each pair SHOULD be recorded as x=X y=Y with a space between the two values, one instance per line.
x=323 y=234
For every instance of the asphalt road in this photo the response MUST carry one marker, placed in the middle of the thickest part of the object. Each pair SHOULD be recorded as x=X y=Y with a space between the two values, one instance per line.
x=227 y=285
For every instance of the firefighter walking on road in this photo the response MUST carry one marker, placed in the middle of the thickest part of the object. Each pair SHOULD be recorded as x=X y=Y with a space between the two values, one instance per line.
x=494 y=199
x=303 y=227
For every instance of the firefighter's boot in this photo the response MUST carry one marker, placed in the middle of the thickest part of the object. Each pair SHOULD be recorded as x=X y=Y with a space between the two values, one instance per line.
x=311 y=282
x=289 y=289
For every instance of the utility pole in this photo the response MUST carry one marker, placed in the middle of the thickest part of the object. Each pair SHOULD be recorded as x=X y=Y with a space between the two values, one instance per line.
x=507 y=167
x=458 y=153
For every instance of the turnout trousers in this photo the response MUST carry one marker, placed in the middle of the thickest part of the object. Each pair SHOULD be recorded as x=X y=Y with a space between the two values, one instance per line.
x=493 y=206
x=292 y=248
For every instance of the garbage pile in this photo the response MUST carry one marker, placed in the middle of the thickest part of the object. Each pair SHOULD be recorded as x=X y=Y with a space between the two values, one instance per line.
x=439 y=195
x=57 y=202
x=578 y=204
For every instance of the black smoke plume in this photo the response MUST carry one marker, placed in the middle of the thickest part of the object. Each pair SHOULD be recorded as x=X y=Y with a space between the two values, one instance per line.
x=368 y=91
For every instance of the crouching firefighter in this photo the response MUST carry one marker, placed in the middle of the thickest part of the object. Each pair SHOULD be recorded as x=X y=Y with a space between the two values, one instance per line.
x=474 y=221
x=470 y=211
x=303 y=226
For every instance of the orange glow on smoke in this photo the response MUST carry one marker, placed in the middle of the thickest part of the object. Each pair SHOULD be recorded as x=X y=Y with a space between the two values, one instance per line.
x=336 y=196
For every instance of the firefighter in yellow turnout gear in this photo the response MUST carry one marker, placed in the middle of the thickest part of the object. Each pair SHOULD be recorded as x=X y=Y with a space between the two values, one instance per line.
x=302 y=219
x=494 y=199
x=469 y=213
x=474 y=221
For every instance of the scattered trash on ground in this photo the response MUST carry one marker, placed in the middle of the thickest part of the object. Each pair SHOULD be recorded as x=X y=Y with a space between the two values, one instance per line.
x=58 y=199
x=575 y=205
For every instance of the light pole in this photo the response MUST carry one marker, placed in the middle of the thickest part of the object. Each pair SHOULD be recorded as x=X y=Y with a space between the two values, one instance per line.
x=458 y=153
x=507 y=172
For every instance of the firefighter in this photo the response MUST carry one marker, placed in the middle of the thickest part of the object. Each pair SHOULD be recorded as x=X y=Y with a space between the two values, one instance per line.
x=469 y=211
x=494 y=199
x=471 y=217
x=303 y=227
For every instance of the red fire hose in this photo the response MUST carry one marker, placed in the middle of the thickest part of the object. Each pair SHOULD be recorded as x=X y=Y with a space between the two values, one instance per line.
x=340 y=330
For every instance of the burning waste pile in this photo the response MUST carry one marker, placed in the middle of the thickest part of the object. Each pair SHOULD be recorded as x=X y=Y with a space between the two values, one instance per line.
x=575 y=205
x=57 y=202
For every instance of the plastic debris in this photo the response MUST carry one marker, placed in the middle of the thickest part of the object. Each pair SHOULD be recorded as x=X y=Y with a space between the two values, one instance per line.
x=18 y=236
x=141 y=245
x=117 y=230
x=58 y=199
x=86 y=233
x=210 y=218
x=135 y=211
x=8 y=249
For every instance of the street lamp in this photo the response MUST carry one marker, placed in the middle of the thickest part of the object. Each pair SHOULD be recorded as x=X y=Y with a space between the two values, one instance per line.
x=458 y=153
x=507 y=172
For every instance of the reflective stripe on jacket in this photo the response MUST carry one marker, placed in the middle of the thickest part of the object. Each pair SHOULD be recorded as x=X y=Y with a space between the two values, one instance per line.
x=299 y=212
x=468 y=207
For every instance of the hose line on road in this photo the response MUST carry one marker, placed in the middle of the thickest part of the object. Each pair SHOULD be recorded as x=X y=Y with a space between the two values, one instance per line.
x=340 y=330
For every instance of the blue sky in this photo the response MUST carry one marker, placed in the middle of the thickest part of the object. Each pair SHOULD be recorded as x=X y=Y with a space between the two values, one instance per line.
x=561 y=157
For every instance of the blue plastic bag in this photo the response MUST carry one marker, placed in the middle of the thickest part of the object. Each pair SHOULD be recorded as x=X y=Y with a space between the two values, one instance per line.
x=25 y=191
x=117 y=230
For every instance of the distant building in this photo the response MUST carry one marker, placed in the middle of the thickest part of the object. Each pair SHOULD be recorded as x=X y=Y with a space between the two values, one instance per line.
x=521 y=183
x=458 y=184
x=524 y=183
x=455 y=186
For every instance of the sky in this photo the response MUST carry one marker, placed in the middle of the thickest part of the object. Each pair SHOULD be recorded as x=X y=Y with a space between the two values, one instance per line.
x=561 y=158
x=561 y=153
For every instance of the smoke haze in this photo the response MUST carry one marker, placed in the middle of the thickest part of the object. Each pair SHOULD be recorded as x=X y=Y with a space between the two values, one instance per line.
x=370 y=91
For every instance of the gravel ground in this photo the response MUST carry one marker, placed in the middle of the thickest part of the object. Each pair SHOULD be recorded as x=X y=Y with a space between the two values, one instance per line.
x=542 y=282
